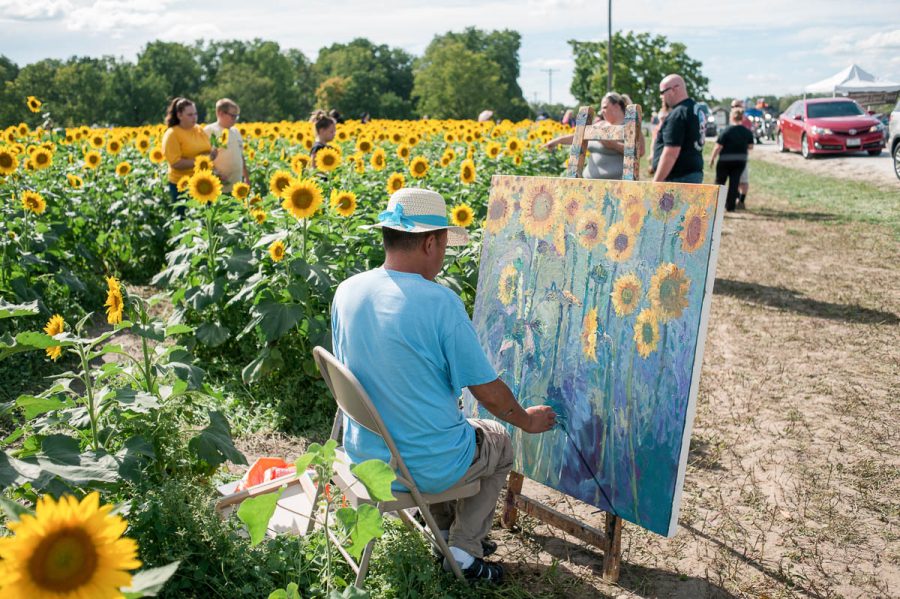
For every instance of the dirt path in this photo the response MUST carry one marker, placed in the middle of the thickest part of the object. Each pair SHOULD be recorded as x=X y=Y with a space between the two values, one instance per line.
x=794 y=471
x=877 y=170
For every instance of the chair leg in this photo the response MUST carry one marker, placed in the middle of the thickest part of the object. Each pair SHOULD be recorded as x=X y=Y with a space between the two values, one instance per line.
x=441 y=543
x=364 y=564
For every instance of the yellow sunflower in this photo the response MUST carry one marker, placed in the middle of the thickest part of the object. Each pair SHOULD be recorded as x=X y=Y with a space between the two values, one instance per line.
x=302 y=198
x=97 y=141
x=203 y=163
x=240 y=190
x=259 y=215
x=9 y=161
x=327 y=160
x=123 y=168
x=183 y=184
x=114 y=146
x=493 y=149
x=589 y=228
x=418 y=167
x=75 y=182
x=364 y=145
x=378 y=159
x=462 y=215
x=619 y=242
x=626 y=294
x=395 y=182
x=539 y=209
x=299 y=163
x=403 y=152
x=467 y=172
x=517 y=159
x=668 y=291
x=205 y=187
x=498 y=212
x=343 y=202
x=276 y=251
x=115 y=303
x=33 y=202
x=633 y=211
x=157 y=156
x=42 y=158
x=589 y=335
x=279 y=181
x=666 y=206
x=646 y=332
x=142 y=144
x=572 y=204
x=34 y=105
x=513 y=145
x=693 y=233
x=506 y=287
x=54 y=326
x=67 y=549
x=92 y=160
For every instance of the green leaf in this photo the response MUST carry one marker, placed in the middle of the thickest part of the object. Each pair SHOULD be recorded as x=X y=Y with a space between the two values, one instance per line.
x=277 y=318
x=362 y=525
x=178 y=329
x=147 y=583
x=350 y=592
x=256 y=512
x=377 y=477
x=13 y=509
x=214 y=444
x=269 y=359
x=205 y=295
x=39 y=340
x=8 y=310
x=153 y=331
x=35 y=406
x=303 y=462
x=212 y=334
x=136 y=401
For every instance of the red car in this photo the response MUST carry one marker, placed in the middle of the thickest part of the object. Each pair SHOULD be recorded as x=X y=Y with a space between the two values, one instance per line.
x=829 y=126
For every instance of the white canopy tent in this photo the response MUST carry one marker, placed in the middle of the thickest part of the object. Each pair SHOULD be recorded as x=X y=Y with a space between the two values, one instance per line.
x=854 y=81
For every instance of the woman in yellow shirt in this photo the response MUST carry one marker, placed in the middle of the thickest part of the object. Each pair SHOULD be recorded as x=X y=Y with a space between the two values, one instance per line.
x=182 y=142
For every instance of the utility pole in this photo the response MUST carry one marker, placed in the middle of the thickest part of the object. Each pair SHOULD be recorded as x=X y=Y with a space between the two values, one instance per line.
x=550 y=84
x=609 y=50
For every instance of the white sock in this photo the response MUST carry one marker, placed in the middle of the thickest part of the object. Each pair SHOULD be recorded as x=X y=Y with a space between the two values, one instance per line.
x=462 y=557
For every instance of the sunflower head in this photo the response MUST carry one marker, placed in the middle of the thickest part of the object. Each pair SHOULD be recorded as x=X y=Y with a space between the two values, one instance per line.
x=142 y=144
x=589 y=335
x=54 y=326
x=279 y=181
x=68 y=549
x=626 y=294
x=302 y=198
x=620 y=242
x=259 y=215
x=92 y=160
x=34 y=105
x=41 y=158
x=646 y=332
x=157 y=156
x=364 y=145
x=299 y=163
x=205 y=187
x=203 y=163
x=327 y=160
x=34 y=202
x=462 y=215
x=513 y=145
x=114 y=146
x=378 y=160
x=9 y=161
x=183 y=184
x=403 y=152
x=115 y=303
x=276 y=251
x=418 y=167
x=240 y=190
x=395 y=182
x=343 y=202
x=123 y=168
x=467 y=172
x=75 y=182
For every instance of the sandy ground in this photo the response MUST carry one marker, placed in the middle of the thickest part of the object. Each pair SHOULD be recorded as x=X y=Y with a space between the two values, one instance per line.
x=878 y=170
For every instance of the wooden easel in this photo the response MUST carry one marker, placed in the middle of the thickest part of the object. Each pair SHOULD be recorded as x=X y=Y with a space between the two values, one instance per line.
x=608 y=540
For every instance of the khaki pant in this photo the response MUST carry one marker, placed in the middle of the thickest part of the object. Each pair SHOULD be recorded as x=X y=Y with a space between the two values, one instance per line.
x=469 y=519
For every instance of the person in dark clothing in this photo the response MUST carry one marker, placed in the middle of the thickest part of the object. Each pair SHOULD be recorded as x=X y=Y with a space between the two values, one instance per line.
x=680 y=160
x=732 y=149
x=325 y=132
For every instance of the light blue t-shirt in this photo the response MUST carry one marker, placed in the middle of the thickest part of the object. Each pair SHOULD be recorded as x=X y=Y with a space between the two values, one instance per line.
x=413 y=348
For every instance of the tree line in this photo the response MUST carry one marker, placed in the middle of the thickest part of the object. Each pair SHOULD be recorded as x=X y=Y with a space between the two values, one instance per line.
x=459 y=75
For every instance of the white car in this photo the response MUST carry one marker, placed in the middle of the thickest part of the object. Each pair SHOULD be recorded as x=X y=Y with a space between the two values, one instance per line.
x=894 y=138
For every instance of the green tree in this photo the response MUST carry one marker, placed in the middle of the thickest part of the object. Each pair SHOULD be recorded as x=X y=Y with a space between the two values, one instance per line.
x=452 y=81
x=139 y=96
x=255 y=93
x=377 y=79
x=176 y=64
x=502 y=48
x=640 y=61
x=37 y=79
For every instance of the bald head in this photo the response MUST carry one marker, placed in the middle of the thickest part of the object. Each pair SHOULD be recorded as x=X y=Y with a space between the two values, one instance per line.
x=672 y=89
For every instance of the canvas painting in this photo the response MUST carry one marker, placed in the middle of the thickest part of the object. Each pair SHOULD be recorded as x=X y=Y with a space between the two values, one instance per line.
x=592 y=298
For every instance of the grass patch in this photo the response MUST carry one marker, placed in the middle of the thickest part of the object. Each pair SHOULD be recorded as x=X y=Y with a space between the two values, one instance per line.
x=826 y=198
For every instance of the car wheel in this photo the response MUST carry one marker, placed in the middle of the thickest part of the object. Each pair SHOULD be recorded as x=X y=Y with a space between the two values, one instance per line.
x=897 y=160
x=780 y=141
x=874 y=152
x=804 y=147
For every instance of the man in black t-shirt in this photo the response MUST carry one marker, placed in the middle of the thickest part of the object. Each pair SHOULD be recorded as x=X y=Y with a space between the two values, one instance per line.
x=680 y=160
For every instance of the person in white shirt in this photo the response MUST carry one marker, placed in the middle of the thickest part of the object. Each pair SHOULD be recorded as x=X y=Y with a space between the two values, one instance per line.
x=229 y=164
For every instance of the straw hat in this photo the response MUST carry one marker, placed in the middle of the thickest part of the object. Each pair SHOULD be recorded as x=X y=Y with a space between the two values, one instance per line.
x=417 y=210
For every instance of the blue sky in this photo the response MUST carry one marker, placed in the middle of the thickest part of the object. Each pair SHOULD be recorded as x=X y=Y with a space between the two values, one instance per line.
x=747 y=48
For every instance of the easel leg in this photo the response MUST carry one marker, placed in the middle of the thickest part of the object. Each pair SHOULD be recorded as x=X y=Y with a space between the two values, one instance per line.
x=612 y=556
x=513 y=488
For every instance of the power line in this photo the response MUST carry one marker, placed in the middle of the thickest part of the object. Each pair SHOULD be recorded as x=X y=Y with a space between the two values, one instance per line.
x=550 y=84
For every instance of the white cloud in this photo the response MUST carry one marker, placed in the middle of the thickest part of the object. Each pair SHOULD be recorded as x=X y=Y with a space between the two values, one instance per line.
x=119 y=18
x=33 y=10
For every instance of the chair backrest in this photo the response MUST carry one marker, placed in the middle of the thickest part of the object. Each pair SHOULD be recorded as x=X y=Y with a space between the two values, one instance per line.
x=627 y=133
x=353 y=401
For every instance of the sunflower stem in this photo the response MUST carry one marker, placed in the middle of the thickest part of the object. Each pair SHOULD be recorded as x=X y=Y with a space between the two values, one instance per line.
x=89 y=390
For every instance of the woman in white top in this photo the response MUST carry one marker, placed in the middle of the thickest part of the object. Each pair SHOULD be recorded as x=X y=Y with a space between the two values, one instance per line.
x=605 y=158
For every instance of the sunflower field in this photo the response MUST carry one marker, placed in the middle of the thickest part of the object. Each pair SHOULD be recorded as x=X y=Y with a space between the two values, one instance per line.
x=222 y=296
